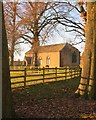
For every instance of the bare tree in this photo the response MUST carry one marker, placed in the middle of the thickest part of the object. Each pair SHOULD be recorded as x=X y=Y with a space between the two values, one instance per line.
x=42 y=18
x=11 y=10
x=70 y=21
x=38 y=19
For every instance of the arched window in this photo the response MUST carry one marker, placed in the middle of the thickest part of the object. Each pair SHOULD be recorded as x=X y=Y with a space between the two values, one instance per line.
x=48 y=61
x=28 y=59
x=40 y=61
x=74 y=57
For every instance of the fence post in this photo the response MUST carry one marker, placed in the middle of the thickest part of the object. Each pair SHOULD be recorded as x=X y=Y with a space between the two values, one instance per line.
x=66 y=73
x=56 y=73
x=80 y=69
x=43 y=74
x=74 y=72
x=70 y=72
x=25 y=78
x=77 y=72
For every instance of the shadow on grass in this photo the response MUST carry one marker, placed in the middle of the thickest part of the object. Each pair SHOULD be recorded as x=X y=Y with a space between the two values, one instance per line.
x=51 y=90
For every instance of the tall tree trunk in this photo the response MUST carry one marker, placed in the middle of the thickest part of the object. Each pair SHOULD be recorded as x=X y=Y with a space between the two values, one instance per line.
x=92 y=82
x=35 y=46
x=89 y=61
x=12 y=53
x=7 y=103
x=36 y=39
x=13 y=35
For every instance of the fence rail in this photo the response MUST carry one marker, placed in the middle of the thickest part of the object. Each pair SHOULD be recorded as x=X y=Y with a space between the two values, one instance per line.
x=26 y=77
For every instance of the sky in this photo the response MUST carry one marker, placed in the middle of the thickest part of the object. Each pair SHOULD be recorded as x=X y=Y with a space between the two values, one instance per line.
x=56 y=39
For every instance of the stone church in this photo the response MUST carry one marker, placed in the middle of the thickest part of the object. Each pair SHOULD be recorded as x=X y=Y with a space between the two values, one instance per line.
x=56 y=55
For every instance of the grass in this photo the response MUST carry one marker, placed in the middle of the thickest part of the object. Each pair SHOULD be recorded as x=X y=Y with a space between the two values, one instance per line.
x=52 y=89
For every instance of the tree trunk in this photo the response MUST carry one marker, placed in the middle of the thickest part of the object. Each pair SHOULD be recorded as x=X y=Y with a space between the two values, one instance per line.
x=12 y=54
x=35 y=46
x=13 y=35
x=7 y=103
x=36 y=40
x=89 y=61
x=92 y=83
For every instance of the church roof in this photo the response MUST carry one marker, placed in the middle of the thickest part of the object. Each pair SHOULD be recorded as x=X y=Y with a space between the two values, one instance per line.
x=48 y=48
x=51 y=48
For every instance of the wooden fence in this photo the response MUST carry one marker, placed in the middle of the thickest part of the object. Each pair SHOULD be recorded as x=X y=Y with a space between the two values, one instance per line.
x=26 y=77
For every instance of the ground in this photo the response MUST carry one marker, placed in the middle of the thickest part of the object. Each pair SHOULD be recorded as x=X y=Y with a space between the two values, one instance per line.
x=52 y=100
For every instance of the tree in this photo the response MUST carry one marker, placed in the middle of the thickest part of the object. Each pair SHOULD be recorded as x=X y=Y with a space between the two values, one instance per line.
x=7 y=103
x=39 y=20
x=70 y=22
x=87 y=86
x=11 y=11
